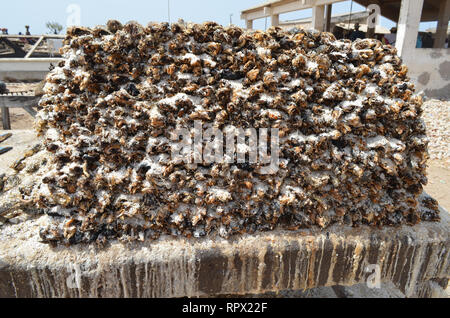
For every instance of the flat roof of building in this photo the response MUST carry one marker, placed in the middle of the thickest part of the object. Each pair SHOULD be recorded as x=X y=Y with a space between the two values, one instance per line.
x=389 y=8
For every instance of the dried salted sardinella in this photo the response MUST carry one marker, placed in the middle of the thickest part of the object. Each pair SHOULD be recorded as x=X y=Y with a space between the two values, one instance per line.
x=351 y=144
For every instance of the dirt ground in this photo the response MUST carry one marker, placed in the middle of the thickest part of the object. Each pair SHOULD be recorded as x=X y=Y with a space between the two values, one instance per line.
x=439 y=183
x=20 y=119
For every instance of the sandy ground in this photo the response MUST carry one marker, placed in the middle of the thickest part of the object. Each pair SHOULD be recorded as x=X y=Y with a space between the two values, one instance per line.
x=439 y=184
x=436 y=115
x=20 y=140
x=20 y=119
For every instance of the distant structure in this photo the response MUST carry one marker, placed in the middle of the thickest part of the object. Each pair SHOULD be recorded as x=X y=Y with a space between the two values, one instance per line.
x=306 y=23
x=428 y=67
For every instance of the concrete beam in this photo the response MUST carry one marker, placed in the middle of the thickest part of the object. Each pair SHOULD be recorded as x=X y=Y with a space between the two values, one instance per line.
x=246 y=264
x=370 y=33
x=282 y=7
x=249 y=24
x=254 y=15
x=318 y=18
x=29 y=64
x=442 y=27
x=408 y=25
x=275 y=19
x=21 y=69
x=292 y=6
x=38 y=42
x=47 y=36
x=19 y=101
x=329 y=8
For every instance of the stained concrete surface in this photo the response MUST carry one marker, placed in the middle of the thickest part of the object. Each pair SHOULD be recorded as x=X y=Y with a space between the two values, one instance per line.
x=249 y=264
x=385 y=290
x=429 y=70
x=439 y=185
x=20 y=140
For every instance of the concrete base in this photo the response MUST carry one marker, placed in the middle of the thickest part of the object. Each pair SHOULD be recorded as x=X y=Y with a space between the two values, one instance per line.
x=409 y=257
x=20 y=141
x=23 y=76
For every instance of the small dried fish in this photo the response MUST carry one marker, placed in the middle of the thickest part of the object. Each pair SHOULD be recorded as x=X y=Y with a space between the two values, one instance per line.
x=3 y=137
x=5 y=150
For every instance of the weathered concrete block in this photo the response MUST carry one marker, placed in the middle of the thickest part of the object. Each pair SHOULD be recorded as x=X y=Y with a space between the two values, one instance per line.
x=248 y=264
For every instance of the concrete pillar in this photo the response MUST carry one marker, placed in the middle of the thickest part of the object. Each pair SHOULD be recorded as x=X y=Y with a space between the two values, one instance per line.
x=329 y=8
x=275 y=19
x=408 y=26
x=443 y=18
x=318 y=17
x=249 y=24
x=373 y=20
x=370 y=33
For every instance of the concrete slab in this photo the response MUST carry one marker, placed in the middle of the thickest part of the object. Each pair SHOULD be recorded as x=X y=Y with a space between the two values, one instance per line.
x=249 y=264
x=385 y=290
x=20 y=140
x=319 y=292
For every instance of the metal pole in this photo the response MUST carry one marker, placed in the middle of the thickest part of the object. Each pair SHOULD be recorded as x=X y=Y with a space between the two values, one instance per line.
x=168 y=10
x=328 y=18
x=350 y=17
x=5 y=118
x=231 y=19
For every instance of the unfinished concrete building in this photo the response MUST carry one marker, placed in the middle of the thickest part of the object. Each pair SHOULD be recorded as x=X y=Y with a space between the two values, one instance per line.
x=429 y=68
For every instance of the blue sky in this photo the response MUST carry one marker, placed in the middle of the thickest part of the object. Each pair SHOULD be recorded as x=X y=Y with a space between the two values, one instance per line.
x=15 y=14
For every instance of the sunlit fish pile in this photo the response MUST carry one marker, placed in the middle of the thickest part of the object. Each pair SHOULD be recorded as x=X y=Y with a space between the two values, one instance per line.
x=353 y=148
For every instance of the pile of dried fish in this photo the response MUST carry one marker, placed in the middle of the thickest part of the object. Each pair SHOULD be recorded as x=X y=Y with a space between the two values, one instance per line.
x=352 y=147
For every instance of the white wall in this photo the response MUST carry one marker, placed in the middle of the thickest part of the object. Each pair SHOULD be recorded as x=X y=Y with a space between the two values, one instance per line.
x=429 y=69
x=20 y=69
